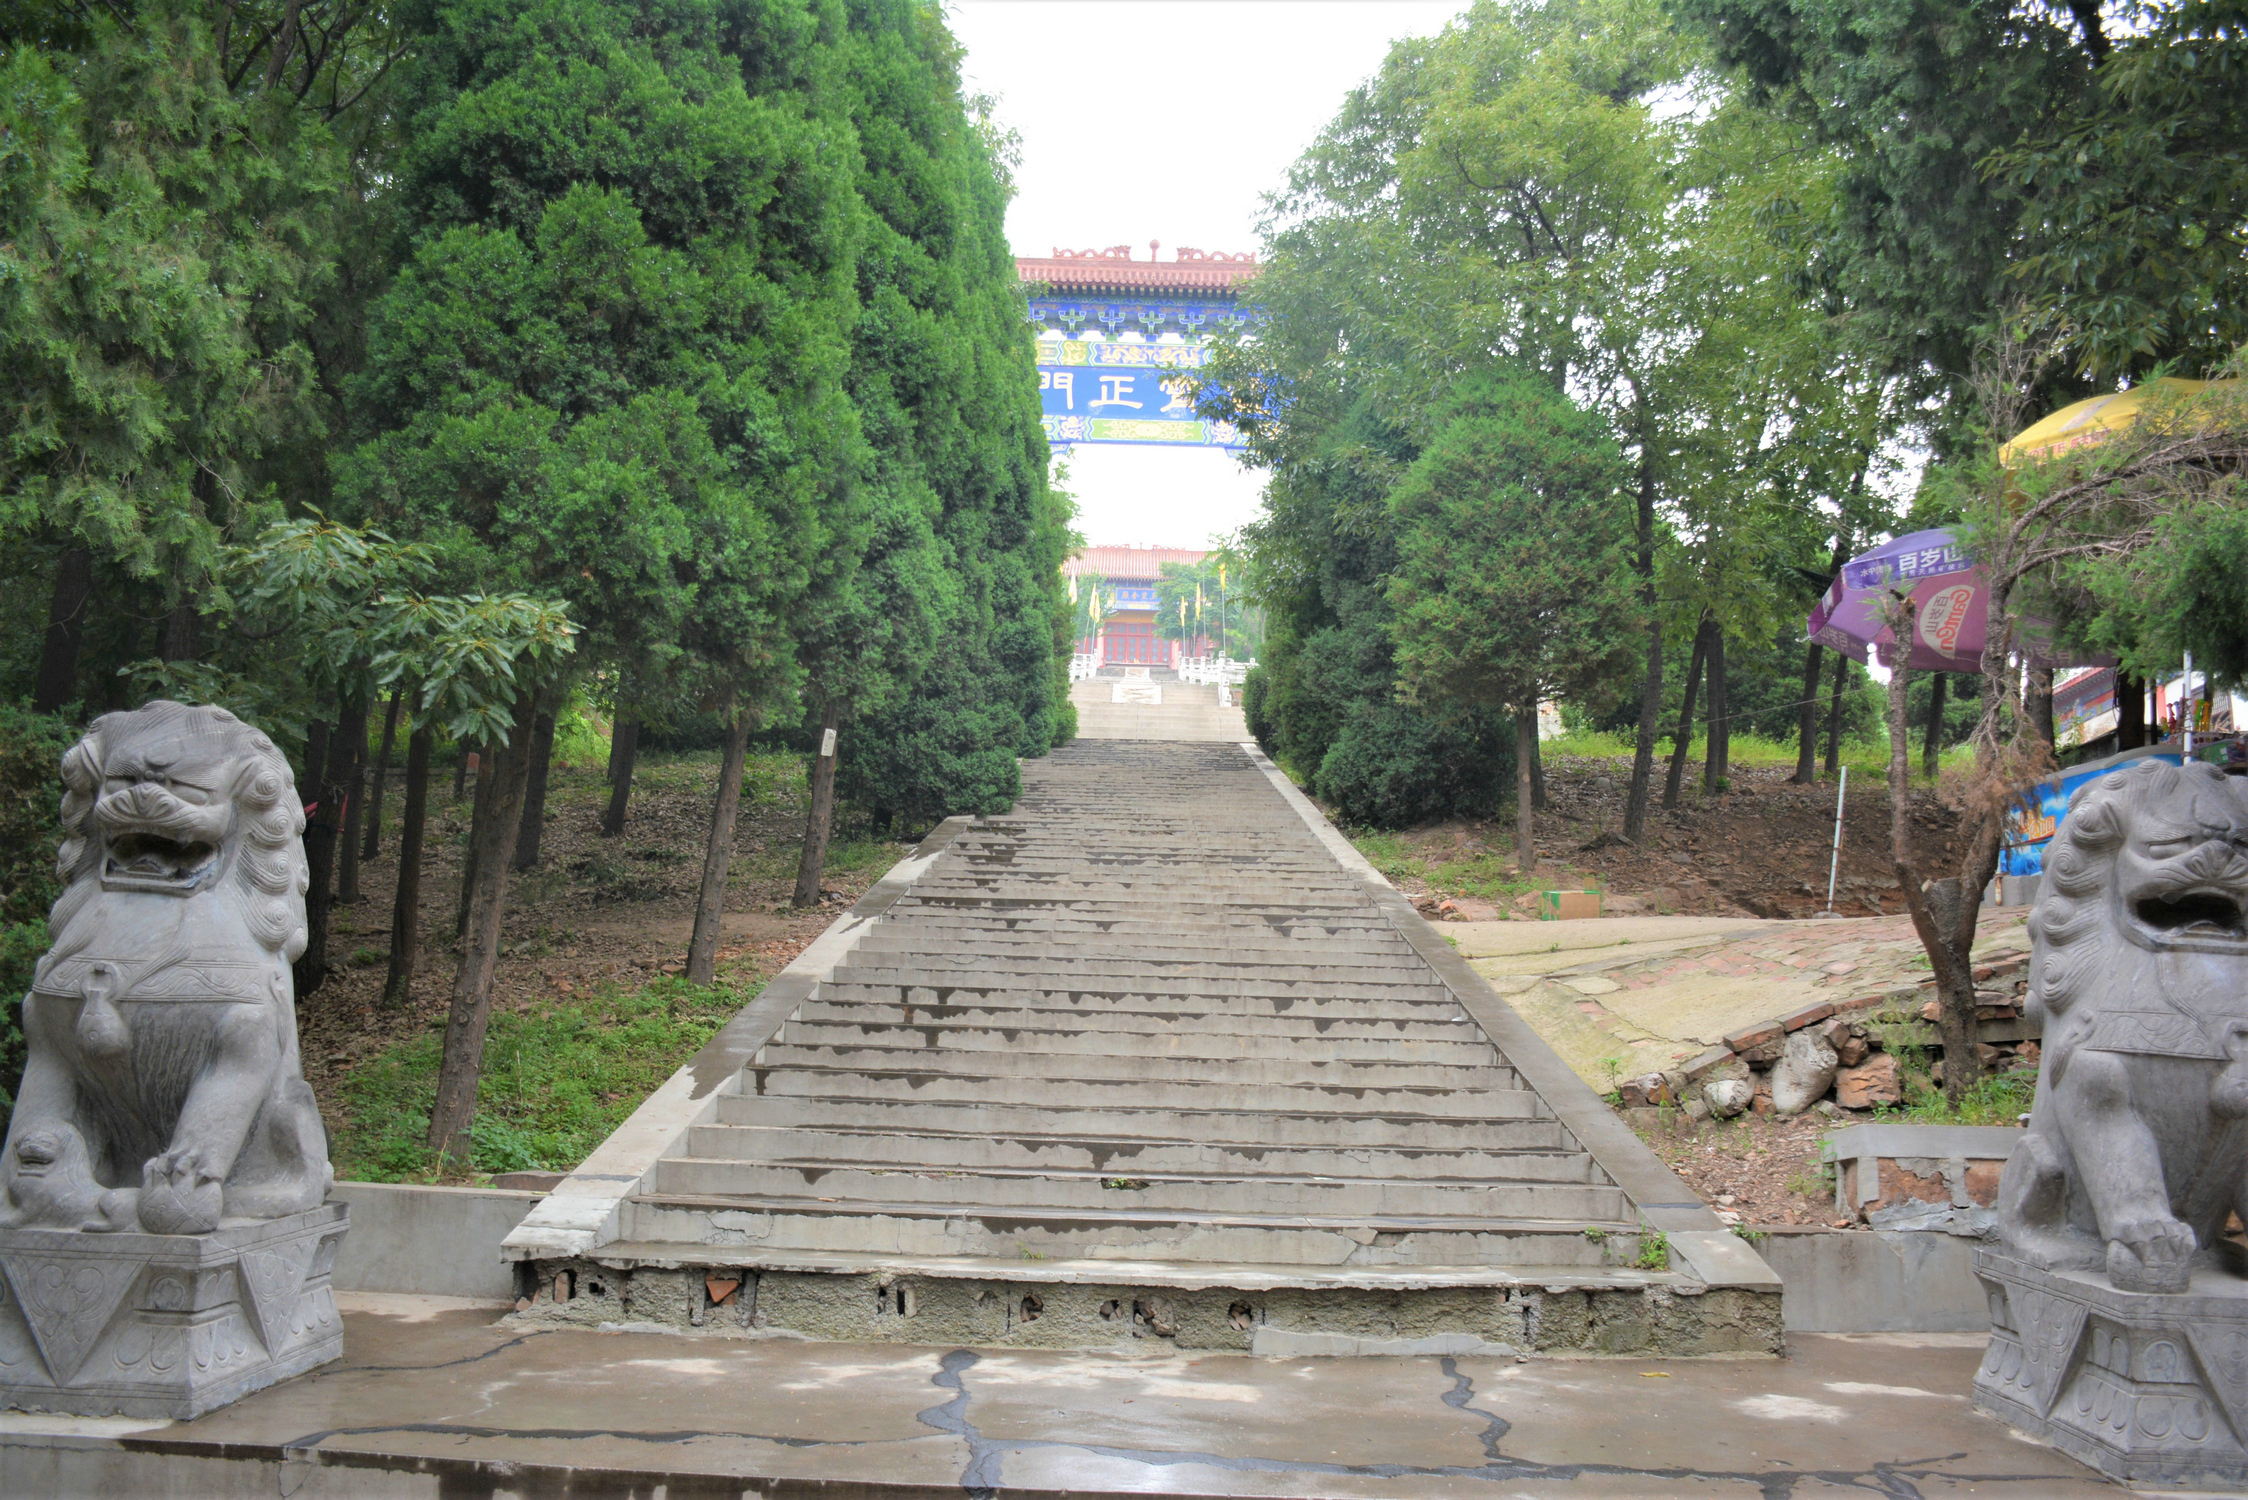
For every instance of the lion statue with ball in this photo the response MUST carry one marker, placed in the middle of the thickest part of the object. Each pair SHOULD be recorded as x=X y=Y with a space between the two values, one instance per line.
x=2137 y=1148
x=163 y=1091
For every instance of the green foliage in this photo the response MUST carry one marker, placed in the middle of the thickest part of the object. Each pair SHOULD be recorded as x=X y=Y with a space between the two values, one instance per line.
x=31 y=751
x=1654 y=1251
x=1993 y=1099
x=1513 y=578
x=331 y=609
x=555 y=1081
x=2132 y=199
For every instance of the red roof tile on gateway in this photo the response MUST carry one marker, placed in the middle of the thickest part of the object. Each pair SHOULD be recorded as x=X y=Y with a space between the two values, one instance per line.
x=1114 y=270
x=1129 y=562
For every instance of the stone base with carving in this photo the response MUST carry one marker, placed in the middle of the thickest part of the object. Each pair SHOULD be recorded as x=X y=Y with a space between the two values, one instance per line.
x=2147 y=1387
x=165 y=1325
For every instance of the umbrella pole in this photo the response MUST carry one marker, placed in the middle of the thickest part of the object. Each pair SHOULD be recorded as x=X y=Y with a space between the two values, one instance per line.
x=1834 y=866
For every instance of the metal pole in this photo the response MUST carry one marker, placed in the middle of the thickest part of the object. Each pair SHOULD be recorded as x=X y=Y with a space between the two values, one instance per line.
x=2185 y=705
x=1834 y=866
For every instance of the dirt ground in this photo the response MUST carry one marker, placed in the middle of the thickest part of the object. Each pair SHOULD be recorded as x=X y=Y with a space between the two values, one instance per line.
x=1756 y=1169
x=1760 y=849
x=592 y=909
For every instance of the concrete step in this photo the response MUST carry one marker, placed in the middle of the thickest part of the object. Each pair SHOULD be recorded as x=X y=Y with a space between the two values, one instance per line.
x=934 y=1150
x=1071 y=1068
x=1338 y=955
x=1140 y=990
x=1369 y=1003
x=1266 y=1193
x=1159 y=1023
x=1308 y=1127
x=1202 y=1042
x=959 y=1086
x=777 y=1224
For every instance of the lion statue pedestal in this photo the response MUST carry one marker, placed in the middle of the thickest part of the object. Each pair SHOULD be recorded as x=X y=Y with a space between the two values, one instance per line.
x=165 y=1246
x=2119 y=1308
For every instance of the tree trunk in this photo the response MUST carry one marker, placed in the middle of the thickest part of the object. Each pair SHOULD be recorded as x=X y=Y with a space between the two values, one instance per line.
x=821 y=817
x=534 y=793
x=1807 y=713
x=323 y=757
x=373 y=844
x=1525 y=828
x=1933 y=746
x=57 y=683
x=1651 y=684
x=702 y=948
x=2037 y=704
x=624 y=752
x=460 y=772
x=2130 y=711
x=405 y=911
x=1537 y=767
x=1682 y=745
x=351 y=738
x=1936 y=907
x=1834 y=715
x=1807 y=718
x=183 y=632
x=469 y=856
x=1714 y=748
x=471 y=1013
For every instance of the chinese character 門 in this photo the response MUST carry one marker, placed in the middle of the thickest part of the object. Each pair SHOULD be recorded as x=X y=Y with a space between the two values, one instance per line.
x=1060 y=380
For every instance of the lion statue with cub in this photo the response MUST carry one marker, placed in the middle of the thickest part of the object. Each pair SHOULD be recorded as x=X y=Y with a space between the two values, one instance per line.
x=163 y=1091
x=2136 y=1154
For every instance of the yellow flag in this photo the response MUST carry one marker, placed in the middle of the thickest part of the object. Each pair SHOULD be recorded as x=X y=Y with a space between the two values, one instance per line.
x=1073 y=588
x=1182 y=614
x=1221 y=575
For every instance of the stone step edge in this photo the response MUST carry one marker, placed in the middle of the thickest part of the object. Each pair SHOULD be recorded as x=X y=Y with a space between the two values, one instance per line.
x=1251 y=1276
x=1167 y=1176
x=1031 y=1213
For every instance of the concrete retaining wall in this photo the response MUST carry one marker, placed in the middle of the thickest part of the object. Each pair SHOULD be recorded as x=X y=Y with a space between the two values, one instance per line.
x=436 y=1241
x=1877 y=1281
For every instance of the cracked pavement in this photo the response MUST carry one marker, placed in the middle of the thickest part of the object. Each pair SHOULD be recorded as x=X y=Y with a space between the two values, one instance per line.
x=435 y=1399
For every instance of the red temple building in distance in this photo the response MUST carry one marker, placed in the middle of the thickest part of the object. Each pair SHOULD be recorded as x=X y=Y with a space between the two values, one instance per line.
x=1126 y=577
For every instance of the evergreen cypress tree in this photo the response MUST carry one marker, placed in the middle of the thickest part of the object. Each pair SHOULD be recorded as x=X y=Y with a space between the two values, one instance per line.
x=944 y=372
x=611 y=367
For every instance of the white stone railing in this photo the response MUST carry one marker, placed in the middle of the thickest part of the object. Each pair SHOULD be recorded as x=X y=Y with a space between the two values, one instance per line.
x=1217 y=669
x=1083 y=665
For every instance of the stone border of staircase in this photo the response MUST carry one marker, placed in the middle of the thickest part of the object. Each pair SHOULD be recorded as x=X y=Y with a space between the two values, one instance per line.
x=1700 y=1244
x=584 y=1211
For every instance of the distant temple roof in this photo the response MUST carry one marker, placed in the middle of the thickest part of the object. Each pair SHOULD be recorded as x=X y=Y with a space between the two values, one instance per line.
x=1129 y=562
x=1113 y=270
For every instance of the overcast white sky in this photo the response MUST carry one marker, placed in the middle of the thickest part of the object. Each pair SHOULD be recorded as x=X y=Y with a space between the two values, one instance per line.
x=1167 y=120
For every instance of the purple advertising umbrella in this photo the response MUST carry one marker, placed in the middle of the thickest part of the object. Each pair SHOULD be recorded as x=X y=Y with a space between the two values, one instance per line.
x=1950 y=602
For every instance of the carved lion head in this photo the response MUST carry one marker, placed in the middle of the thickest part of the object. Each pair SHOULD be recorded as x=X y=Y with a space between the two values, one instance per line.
x=185 y=802
x=2155 y=855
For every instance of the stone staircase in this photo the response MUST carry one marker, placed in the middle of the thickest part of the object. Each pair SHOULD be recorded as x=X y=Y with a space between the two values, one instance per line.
x=1189 y=711
x=1140 y=1059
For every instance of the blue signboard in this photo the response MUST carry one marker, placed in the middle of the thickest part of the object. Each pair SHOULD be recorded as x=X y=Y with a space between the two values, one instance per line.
x=1099 y=391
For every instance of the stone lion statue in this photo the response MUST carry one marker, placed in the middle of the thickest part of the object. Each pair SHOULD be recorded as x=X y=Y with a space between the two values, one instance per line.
x=163 y=1089
x=2137 y=1147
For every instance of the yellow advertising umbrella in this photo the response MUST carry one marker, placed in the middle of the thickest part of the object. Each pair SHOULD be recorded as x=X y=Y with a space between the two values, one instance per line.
x=2093 y=421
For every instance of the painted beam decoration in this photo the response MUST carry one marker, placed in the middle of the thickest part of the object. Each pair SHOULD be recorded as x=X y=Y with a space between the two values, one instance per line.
x=1094 y=391
x=1119 y=339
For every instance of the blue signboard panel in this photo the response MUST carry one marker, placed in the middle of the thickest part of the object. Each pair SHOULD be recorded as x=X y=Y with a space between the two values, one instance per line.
x=1098 y=391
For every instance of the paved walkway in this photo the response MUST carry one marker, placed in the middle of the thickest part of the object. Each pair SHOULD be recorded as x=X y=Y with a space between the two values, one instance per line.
x=432 y=1399
x=1648 y=993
